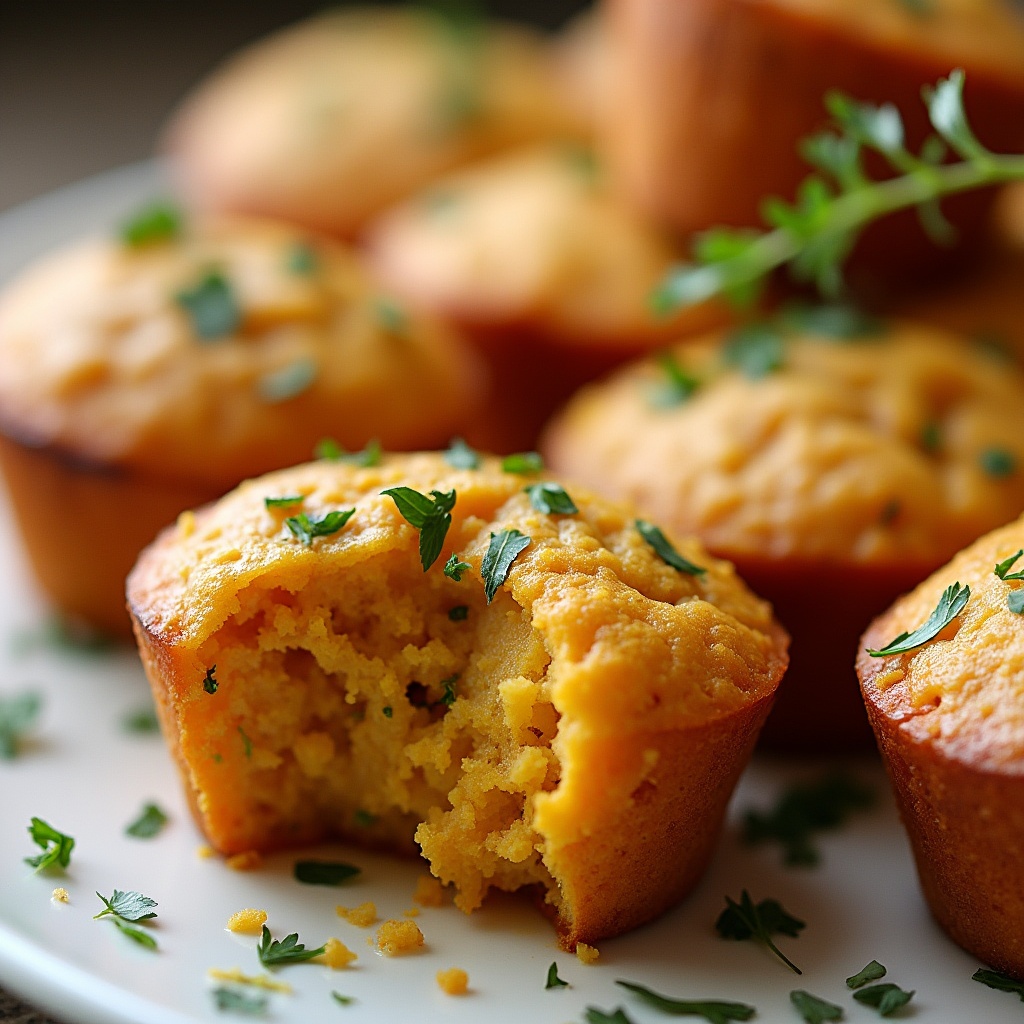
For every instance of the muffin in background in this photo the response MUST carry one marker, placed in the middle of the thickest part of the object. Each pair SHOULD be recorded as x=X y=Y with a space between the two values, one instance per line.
x=572 y=719
x=139 y=380
x=948 y=718
x=836 y=460
x=328 y=122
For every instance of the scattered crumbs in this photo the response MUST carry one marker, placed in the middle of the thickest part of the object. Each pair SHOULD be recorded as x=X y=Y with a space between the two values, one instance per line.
x=397 y=937
x=429 y=891
x=206 y=852
x=886 y=679
x=250 y=860
x=336 y=954
x=362 y=916
x=256 y=980
x=412 y=912
x=60 y=894
x=454 y=981
x=586 y=954
x=247 y=922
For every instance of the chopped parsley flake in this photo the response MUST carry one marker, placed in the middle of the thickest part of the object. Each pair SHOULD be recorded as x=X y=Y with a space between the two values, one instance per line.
x=460 y=456
x=431 y=515
x=832 y=321
x=1002 y=570
x=872 y=972
x=814 y=1010
x=522 y=462
x=288 y=382
x=551 y=499
x=342 y=1000
x=306 y=527
x=953 y=601
x=593 y=1015
x=886 y=999
x=998 y=462
x=137 y=935
x=211 y=307
x=142 y=721
x=210 y=683
x=931 y=437
x=756 y=350
x=1015 y=602
x=246 y=742
x=301 y=259
x=460 y=612
x=231 y=999
x=747 y=920
x=158 y=222
x=148 y=823
x=324 y=872
x=330 y=451
x=713 y=1010
x=18 y=714
x=388 y=711
x=391 y=317
x=56 y=846
x=448 y=690
x=554 y=981
x=502 y=551
x=288 y=951
x=364 y=819
x=454 y=569
x=999 y=981
x=677 y=387
x=286 y=501
x=664 y=549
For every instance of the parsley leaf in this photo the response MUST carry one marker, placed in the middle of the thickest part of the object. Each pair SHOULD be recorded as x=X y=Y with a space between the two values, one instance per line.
x=210 y=683
x=803 y=809
x=148 y=823
x=953 y=601
x=872 y=972
x=246 y=742
x=158 y=222
x=143 y=720
x=713 y=1010
x=129 y=906
x=593 y=1015
x=448 y=690
x=1002 y=570
x=998 y=980
x=460 y=456
x=552 y=499
x=814 y=1010
x=288 y=951
x=1015 y=602
x=56 y=846
x=678 y=386
x=135 y=934
x=886 y=999
x=342 y=1000
x=211 y=307
x=239 y=1002
x=18 y=715
x=998 y=462
x=522 y=462
x=302 y=259
x=306 y=527
x=756 y=350
x=288 y=382
x=747 y=920
x=502 y=551
x=664 y=549
x=454 y=569
x=430 y=515
x=553 y=980
x=461 y=611
x=330 y=451
x=324 y=872
x=285 y=501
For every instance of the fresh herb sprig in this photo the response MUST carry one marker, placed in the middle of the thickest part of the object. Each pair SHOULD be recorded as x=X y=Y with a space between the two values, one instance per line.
x=56 y=846
x=999 y=981
x=551 y=498
x=126 y=909
x=430 y=514
x=148 y=824
x=502 y=550
x=553 y=980
x=330 y=451
x=816 y=233
x=286 y=951
x=886 y=998
x=18 y=714
x=715 y=1011
x=813 y=1009
x=665 y=550
x=232 y=1000
x=324 y=872
x=1002 y=570
x=953 y=601
x=307 y=527
x=872 y=972
x=759 y=921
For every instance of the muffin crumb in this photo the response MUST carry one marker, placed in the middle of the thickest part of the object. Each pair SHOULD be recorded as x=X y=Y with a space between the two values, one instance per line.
x=362 y=916
x=337 y=955
x=412 y=912
x=454 y=981
x=249 y=921
x=587 y=954
x=60 y=894
x=397 y=937
x=250 y=860
x=205 y=852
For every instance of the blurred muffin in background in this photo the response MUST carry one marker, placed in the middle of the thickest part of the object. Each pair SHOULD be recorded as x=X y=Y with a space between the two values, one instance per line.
x=834 y=459
x=326 y=123
x=583 y=65
x=533 y=258
x=137 y=380
x=710 y=99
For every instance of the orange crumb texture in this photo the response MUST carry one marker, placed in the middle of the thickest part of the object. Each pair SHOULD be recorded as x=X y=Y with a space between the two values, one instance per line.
x=362 y=916
x=429 y=891
x=586 y=954
x=60 y=894
x=248 y=921
x=397 y=937
x=454 y=981
x=247 y=861
x=336 y=954
x=412 y=912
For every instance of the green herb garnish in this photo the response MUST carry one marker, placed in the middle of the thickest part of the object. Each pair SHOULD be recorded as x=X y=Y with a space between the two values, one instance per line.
x=713 y=1010
x=678 y=386
x=919 y=8
x=461 y=611
x=502 y=551
x=1002 y=570
x=998 y=980
x=553 y=980
x=239 y=1002
x=18 y=714
x=756 y=350
x=804 y=809
x=387 y=711
x=364 y=819
x=211 y=306
x=747 y=920
x=953 y=601
x=522 y=462
x=148 y=823
x=836 y=321
x=342 y=1000
x=288 y=951
x=56 y=846
x=664 y=549
x=330 y=451
x=454 y=569
x=137 y=935
x=431 y=515
x=551 y=499
x=306 y=528
x=323 y=872
x=814 y=1010
x=58 y=634
x=1015 y=602
x=931 y=437
x=448 y=690
x=593 y=1015
x=288 y=382
x=210 y=683
x=872 y=972
x=886 y=999
x=129 y=906
x=302 y=259
x=460 y=456
x=142 y=720
x=246 y=743
x=158 y=222
x=816 y=233
x=285 y=501
x=391 y=317
x=998 y=462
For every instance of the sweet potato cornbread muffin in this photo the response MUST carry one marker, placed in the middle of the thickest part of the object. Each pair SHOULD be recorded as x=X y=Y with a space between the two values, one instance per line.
x=834 y=459
x=138 y=379
x=329 y=121
x=549 y=704
x=947 y=716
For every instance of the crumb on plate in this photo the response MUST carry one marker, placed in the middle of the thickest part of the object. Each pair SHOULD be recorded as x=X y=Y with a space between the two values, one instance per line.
x=586 y=954
x=60 y=894
x=249 y=921
x=336 y=954
x=454 y=981
x=362 y=916
x=429 y=891
x=396 y=937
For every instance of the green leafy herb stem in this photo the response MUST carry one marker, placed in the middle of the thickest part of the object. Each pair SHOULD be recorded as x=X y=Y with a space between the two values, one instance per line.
x=56 y=846
x=430 y=514
x=747 y=920
x=665 y=550
x=502 y=551
x=953 y=601
x=288 y=950
x=715 y=1011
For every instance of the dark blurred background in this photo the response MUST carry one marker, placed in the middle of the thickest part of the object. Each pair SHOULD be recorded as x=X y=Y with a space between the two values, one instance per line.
x=85 y=86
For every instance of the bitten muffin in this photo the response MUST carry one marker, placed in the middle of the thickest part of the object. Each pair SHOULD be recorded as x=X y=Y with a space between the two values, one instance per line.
x=136 y=381
x=535 y=260
x=328 y=122
x=570 y=716
x=834 y=459
x=947 y=716
x=707 y=90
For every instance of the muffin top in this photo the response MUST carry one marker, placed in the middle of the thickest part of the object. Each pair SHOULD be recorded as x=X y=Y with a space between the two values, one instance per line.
x=634 y=642
x=822 y=436
x=962 y=692
x=218 y=351
x=534 y=239
x=329 y=121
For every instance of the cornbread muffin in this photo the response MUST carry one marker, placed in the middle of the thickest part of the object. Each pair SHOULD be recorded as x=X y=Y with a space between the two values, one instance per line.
x=947 y=716
x=330 y=121
x=835 y=460
x=705 y=91
x=136 y=381
x=579 y=733
x=534 y=259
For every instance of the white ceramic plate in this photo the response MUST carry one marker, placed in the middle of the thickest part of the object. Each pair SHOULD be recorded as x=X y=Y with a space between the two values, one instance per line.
x=83 y=773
